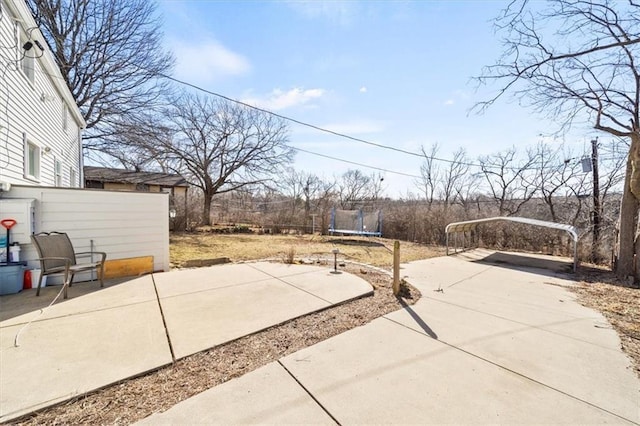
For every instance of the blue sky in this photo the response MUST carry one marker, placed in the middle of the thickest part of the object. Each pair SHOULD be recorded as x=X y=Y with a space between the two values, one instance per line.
x=393 y=73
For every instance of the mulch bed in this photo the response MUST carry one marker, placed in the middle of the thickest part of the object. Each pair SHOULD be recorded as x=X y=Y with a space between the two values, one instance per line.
x=137 y=398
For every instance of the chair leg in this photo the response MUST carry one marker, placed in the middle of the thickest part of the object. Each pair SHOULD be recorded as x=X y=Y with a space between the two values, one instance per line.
x=67 y=282
x=101 y=275
x=39 y=284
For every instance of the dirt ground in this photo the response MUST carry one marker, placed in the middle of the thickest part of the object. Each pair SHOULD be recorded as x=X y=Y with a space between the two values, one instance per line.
x=618 y=302
x=134 y=399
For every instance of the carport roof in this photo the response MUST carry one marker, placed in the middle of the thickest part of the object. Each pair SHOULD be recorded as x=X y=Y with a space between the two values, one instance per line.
x=472 y=224
x=469 y=225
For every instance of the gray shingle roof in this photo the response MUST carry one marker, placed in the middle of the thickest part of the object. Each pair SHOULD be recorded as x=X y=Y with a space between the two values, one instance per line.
x=104 y=174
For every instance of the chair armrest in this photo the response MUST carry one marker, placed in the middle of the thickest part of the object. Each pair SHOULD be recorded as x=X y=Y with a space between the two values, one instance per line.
x=67 y=261
x=90 y=253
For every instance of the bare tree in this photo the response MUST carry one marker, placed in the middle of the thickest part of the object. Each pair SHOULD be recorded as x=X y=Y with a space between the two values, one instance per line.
x=442 y=182
x=508 y=183
x=292 y=186
x=325 y=197
x=554 y=174
x=130 y=149
x=111 y=56
x=354 y=187
x=312 y=187
x=221 y=146
x=467 y=193
x=578 y=59
x=430 y=173
x=453 y=177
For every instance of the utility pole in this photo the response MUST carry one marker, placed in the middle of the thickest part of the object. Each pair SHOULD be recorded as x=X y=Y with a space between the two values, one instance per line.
x=596 y=201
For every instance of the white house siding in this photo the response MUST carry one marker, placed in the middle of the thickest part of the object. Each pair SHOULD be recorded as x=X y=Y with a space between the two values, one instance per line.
x=122 y=224
x=35 y=110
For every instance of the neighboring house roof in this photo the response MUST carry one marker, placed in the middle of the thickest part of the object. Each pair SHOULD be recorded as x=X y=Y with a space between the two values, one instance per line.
x=20 y=9
x=104 y=174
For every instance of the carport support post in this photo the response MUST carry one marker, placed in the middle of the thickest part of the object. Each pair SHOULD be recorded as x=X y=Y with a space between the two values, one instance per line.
x=447 y=237
x=396 y=267
x=455 y=242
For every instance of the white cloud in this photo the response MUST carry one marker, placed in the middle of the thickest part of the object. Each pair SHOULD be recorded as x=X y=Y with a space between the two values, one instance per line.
x=206 y=61
x=363 y=89
x=449 y=102
x=279 y=99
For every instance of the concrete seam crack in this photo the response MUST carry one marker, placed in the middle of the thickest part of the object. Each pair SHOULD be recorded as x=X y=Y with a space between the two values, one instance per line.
x=164 y=321
x=309 y=393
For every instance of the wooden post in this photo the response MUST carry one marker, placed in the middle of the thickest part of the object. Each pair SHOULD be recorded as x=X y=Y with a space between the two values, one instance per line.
x=396 y=268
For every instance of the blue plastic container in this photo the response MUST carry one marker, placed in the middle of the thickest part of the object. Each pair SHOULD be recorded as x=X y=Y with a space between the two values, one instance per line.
x=11 y=278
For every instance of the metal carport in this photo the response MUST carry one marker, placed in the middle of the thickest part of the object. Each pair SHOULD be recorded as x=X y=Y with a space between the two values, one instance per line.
x=471 y=225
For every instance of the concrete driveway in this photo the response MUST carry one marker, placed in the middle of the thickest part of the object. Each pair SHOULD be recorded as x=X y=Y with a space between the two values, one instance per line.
x=101 y=336
x=487 y=343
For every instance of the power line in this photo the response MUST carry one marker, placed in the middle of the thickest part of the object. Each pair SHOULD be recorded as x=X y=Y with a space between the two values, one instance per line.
x=356 y=163
x=355 y=139
x=293 y=120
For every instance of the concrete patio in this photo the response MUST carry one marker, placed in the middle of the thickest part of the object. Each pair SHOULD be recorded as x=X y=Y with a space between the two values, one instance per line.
x=494 y=339
x=101 y=336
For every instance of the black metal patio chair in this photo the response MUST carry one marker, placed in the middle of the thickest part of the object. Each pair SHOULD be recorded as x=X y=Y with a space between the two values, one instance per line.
x=57 y=256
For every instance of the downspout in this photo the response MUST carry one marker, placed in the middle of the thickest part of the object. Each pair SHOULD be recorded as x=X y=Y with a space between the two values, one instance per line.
x=80 y=159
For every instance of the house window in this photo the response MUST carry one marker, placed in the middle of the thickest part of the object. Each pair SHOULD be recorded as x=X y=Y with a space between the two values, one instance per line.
x=65 y=123
x=31 y=160
x=72 y=177
x=58 y=172
x=26 y=57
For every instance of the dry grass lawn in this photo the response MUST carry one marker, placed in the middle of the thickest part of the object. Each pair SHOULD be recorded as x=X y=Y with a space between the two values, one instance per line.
x=239 y=247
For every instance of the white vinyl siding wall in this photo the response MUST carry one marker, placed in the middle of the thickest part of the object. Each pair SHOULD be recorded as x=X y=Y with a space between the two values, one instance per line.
x=73 y=178
x=122 y=224
x=34 y=110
